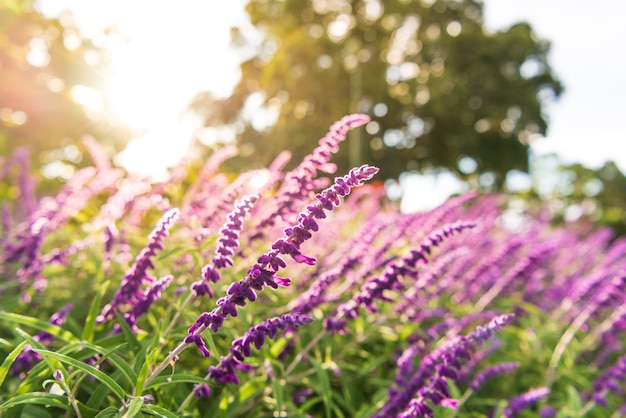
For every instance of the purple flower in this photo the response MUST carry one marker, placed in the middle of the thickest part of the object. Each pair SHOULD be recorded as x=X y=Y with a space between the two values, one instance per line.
x=227 y=244
x=490 y=372
x=229 y=241
x=299 y=184
x=150 y=295
x=428 y=381
x=202 y=390
x=241 y=348
x=525 y=400
x=301 y=395
x=389 y=279
x=263 y=273
x=610 y=381
x=129 y=292
x=97 y=153
x=194 y=198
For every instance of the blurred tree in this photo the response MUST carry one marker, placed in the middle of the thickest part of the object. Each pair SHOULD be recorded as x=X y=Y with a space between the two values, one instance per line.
x=599 y=194
x=47 y=69
x=440 y=89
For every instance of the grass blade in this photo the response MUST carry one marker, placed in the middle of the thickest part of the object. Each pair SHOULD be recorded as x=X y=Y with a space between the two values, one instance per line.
x=53 y=330
x=8 y=362
x=97 y=374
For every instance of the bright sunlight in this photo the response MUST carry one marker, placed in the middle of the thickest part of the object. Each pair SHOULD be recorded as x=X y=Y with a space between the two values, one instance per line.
x=161 y=59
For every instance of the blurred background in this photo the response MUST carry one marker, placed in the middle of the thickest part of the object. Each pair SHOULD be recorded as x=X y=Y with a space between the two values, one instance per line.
x=497 y=95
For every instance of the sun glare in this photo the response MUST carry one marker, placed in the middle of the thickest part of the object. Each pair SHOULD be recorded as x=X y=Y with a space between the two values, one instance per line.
x=164 y=55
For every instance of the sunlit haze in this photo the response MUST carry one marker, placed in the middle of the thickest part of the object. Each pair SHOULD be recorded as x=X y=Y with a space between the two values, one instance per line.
x=174 y=50
x=165 y=54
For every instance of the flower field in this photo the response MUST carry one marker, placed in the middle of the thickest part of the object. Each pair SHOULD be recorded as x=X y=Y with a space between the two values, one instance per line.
x=300 y=293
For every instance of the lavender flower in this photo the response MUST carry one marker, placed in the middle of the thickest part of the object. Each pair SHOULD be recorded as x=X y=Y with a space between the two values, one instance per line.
x=193 y=197
x=428 y=382
x=491 y=372
x=263 y=273
x=299 y=183
x=150 y=295
x=345 y=263
x=225 y=202
x=97 y=153
x=129 y=292
x=228 y=243
x=241 y=348
x=374 y=288
x=301 y=395
x=610 y=381
x=523 y=401
x=202 y=390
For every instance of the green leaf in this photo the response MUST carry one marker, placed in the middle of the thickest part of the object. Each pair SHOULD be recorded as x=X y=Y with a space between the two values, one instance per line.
x=53 y=330
x=145 y=371
x=98 y=396
x=158 y=411
x=573 y=398
x=108 y=412
x=130 y=336
x=177 y=378
x=38 y=398
x=8 y=362
x=94 y=310
x=163 y=255
x=325 y=386
x=107 y=353
x=52 y=365
x=97 y=374
x=133 y=409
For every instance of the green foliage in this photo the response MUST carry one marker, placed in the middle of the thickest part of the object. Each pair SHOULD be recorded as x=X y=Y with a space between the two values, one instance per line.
x=438 y=86
x=599 y=194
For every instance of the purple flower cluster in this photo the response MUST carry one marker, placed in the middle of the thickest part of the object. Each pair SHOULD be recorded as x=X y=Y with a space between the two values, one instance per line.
x=491 y=372
x=225 y=371
x=428 y=382
x=129 y=292
x=423 y=289
x=299 y=184
x=374 y=288
x=610 y=381
x=227 y=244
x=524 y=401
x=263 y=273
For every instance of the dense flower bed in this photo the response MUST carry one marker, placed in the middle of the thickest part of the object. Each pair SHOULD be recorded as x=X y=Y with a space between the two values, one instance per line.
x=287 y=294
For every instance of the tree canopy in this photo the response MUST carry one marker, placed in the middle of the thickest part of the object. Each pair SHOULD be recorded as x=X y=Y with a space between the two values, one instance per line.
x=439 y=87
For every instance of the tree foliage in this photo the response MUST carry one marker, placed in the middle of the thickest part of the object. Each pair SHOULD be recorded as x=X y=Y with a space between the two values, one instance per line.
x=438 y=86
x=44 y=64
x=599 y=194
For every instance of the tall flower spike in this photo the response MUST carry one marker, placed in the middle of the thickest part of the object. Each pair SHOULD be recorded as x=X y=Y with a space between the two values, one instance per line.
x=491 y=372
x=263 y=273
x=129 y=292
x=523 y=401
x=150 y=295
x=428 y=381
x=373 y=289
x=610 y=381
x=227 y=244
x=241 y=348
x=299 y=183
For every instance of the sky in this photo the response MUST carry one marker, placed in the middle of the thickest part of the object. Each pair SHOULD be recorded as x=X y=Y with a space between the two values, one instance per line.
x=588 y=55
x=586 y=124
